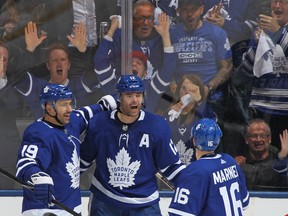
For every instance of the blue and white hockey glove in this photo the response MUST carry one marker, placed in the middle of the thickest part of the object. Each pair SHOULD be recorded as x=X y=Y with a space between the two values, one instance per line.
x=43 y=187
x=174 y=114
x=107 y=103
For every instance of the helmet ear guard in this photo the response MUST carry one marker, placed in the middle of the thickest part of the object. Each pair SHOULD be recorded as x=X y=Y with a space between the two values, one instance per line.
x=207 y=134
x=54 y=92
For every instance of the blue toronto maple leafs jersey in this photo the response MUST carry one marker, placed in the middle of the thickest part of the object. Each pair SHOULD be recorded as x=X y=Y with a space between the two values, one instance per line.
x=212 y=185
x=181 y=131
x=199 y=51
x=128 y=157
x=54 y=150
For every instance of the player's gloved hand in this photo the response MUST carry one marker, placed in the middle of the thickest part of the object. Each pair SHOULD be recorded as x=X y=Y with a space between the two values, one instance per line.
x=43 y=187
x=107 y=103
x=185 y=100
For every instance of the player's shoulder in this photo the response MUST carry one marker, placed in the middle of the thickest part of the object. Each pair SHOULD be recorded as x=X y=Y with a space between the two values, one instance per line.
x=196 y=168
x=226 y=156
x=152 y=117
x=39 y=128
x=101 y=118
x=155 y=122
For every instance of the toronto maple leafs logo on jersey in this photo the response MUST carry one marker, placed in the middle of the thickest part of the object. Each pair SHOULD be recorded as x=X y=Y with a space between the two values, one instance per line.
x=122 y=171
x=185 y=153
x=73 y=168
x=182 y=130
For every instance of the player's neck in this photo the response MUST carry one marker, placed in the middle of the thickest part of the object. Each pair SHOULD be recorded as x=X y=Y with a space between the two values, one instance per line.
x=126 y=119
x=201 y=154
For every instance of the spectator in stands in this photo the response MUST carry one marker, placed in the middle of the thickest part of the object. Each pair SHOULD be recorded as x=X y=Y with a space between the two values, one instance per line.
x=145 y=37
x=281 y=163
x=167 y=6
x=57 y=19
x=202 y=49
x=10 y=19
x=189 y=107
x=91 y=13
x=10 y=107
x=12 y=31
x=14 y=16
x=156 y=85
x=266 y=63
x=237 y=18
x=60 y=19
x=58 y=64
x=259 y=157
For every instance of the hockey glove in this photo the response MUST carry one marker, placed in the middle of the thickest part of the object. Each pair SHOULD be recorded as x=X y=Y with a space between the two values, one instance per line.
x=173 y=114
x=43 y=187
x=107 y=103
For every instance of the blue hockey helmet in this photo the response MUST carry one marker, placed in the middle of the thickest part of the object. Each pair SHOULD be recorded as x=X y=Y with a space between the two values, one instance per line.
x=55 y=92
x=207 y=134
x=130 y=83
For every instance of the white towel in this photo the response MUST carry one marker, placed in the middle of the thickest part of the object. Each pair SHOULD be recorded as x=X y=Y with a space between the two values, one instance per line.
x=263 y=63
x=223 y=13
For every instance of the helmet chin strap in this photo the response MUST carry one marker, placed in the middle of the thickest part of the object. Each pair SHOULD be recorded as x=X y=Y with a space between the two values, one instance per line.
x=55 y=117
x=124 y=113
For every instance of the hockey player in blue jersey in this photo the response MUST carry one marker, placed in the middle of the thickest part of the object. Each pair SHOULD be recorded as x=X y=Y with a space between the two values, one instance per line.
x=129 y=147
x=49 y=154
x=212 y=185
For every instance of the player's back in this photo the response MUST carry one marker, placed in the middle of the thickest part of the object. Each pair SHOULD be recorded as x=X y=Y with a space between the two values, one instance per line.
x=212 y=185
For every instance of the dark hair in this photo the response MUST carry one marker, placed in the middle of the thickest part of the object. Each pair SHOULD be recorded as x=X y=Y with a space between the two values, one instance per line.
x=183 y=3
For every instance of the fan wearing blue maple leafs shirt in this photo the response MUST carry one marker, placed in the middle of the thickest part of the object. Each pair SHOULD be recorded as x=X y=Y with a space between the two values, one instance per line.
x=129 y=146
